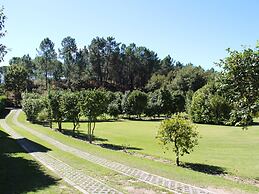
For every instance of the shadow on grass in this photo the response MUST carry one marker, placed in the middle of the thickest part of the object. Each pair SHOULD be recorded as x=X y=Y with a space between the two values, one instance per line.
x=80 y=135
x=204 y=168
x=18 y=174
x=4 y=113
x=118 y=147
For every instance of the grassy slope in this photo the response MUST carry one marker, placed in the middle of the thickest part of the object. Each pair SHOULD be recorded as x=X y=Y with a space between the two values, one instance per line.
x=141 y=135
x=19 y=173
x=110 y=177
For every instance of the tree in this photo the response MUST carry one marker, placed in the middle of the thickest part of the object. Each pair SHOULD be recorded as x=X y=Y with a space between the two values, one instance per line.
x=32 y=105
x=70 y=107
x=68 y=54
x=94 y=103
x=178 y=134
x=55 y=101
x=209 y=106
x=48 y=55
x=137 y=102
x=3 y=49
x=189 y=78
x=240 y=83
x=16 y=81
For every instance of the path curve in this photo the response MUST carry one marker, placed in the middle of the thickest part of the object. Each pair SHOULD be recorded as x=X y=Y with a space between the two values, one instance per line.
x=171 y=185
x=72 y=176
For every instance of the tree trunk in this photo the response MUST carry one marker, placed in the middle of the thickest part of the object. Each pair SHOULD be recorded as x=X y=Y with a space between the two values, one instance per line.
x=177 y=161
x=59 y=125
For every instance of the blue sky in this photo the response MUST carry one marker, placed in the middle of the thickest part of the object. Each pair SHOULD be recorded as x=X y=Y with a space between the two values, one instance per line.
x=196 y=31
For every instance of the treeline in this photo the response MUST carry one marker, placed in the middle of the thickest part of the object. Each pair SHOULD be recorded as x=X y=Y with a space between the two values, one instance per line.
x=104 y=63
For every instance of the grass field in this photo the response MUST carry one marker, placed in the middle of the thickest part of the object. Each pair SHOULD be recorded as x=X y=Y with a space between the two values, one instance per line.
x=228 y=150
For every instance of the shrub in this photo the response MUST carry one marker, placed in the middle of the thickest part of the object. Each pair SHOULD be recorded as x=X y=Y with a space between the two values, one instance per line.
x=2 y=103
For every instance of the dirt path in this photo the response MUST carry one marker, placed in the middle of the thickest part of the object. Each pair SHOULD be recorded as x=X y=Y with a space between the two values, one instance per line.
x=171 y=185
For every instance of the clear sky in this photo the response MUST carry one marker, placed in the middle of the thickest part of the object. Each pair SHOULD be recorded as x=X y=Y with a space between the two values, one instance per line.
x=196 y=31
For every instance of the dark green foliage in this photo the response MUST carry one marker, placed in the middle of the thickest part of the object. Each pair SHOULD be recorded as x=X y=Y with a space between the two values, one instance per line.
x=178 y=135
x=165 y=101
x=137 y=102
x=189 y=78
x=208 y=106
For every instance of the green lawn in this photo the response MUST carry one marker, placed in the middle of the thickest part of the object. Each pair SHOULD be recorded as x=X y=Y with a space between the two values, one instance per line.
x=19 y=173
x=227 y=149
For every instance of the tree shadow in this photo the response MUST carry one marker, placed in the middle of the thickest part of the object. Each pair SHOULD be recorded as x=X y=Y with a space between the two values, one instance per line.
x=118 y=147
x=17 y=173
x=4 y=113
x=79 y=135
x=204 y=168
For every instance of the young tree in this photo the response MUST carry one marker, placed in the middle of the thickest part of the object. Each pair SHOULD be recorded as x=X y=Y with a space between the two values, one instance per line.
x=3 y=49
x=178 y=134
x=70 y=107
x=94 y=103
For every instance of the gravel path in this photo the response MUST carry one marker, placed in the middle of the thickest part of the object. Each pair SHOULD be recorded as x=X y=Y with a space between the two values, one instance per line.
x=171 y=185
x=74 y=177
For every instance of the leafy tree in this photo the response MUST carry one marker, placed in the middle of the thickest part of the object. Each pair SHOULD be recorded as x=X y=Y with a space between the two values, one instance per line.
x=155 y=82
x=240 y=83
x=70 y=107
x=153 y=107
x=47 y=55
x=189 y=78
x=3 y=49
x=32 y=105
x=16 y=81
x=208 y=106
x=94 y=103
x=165 y=101
x=55 y=103
x=178 y=134
x=137 y=102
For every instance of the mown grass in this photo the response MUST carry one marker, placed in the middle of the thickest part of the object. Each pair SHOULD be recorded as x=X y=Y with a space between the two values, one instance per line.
x=19 y=173
x=221 y=150
x=109 y=177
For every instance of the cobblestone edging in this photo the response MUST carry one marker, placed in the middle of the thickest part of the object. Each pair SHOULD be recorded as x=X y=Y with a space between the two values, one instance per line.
x=172 y=185
x=74 y=177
